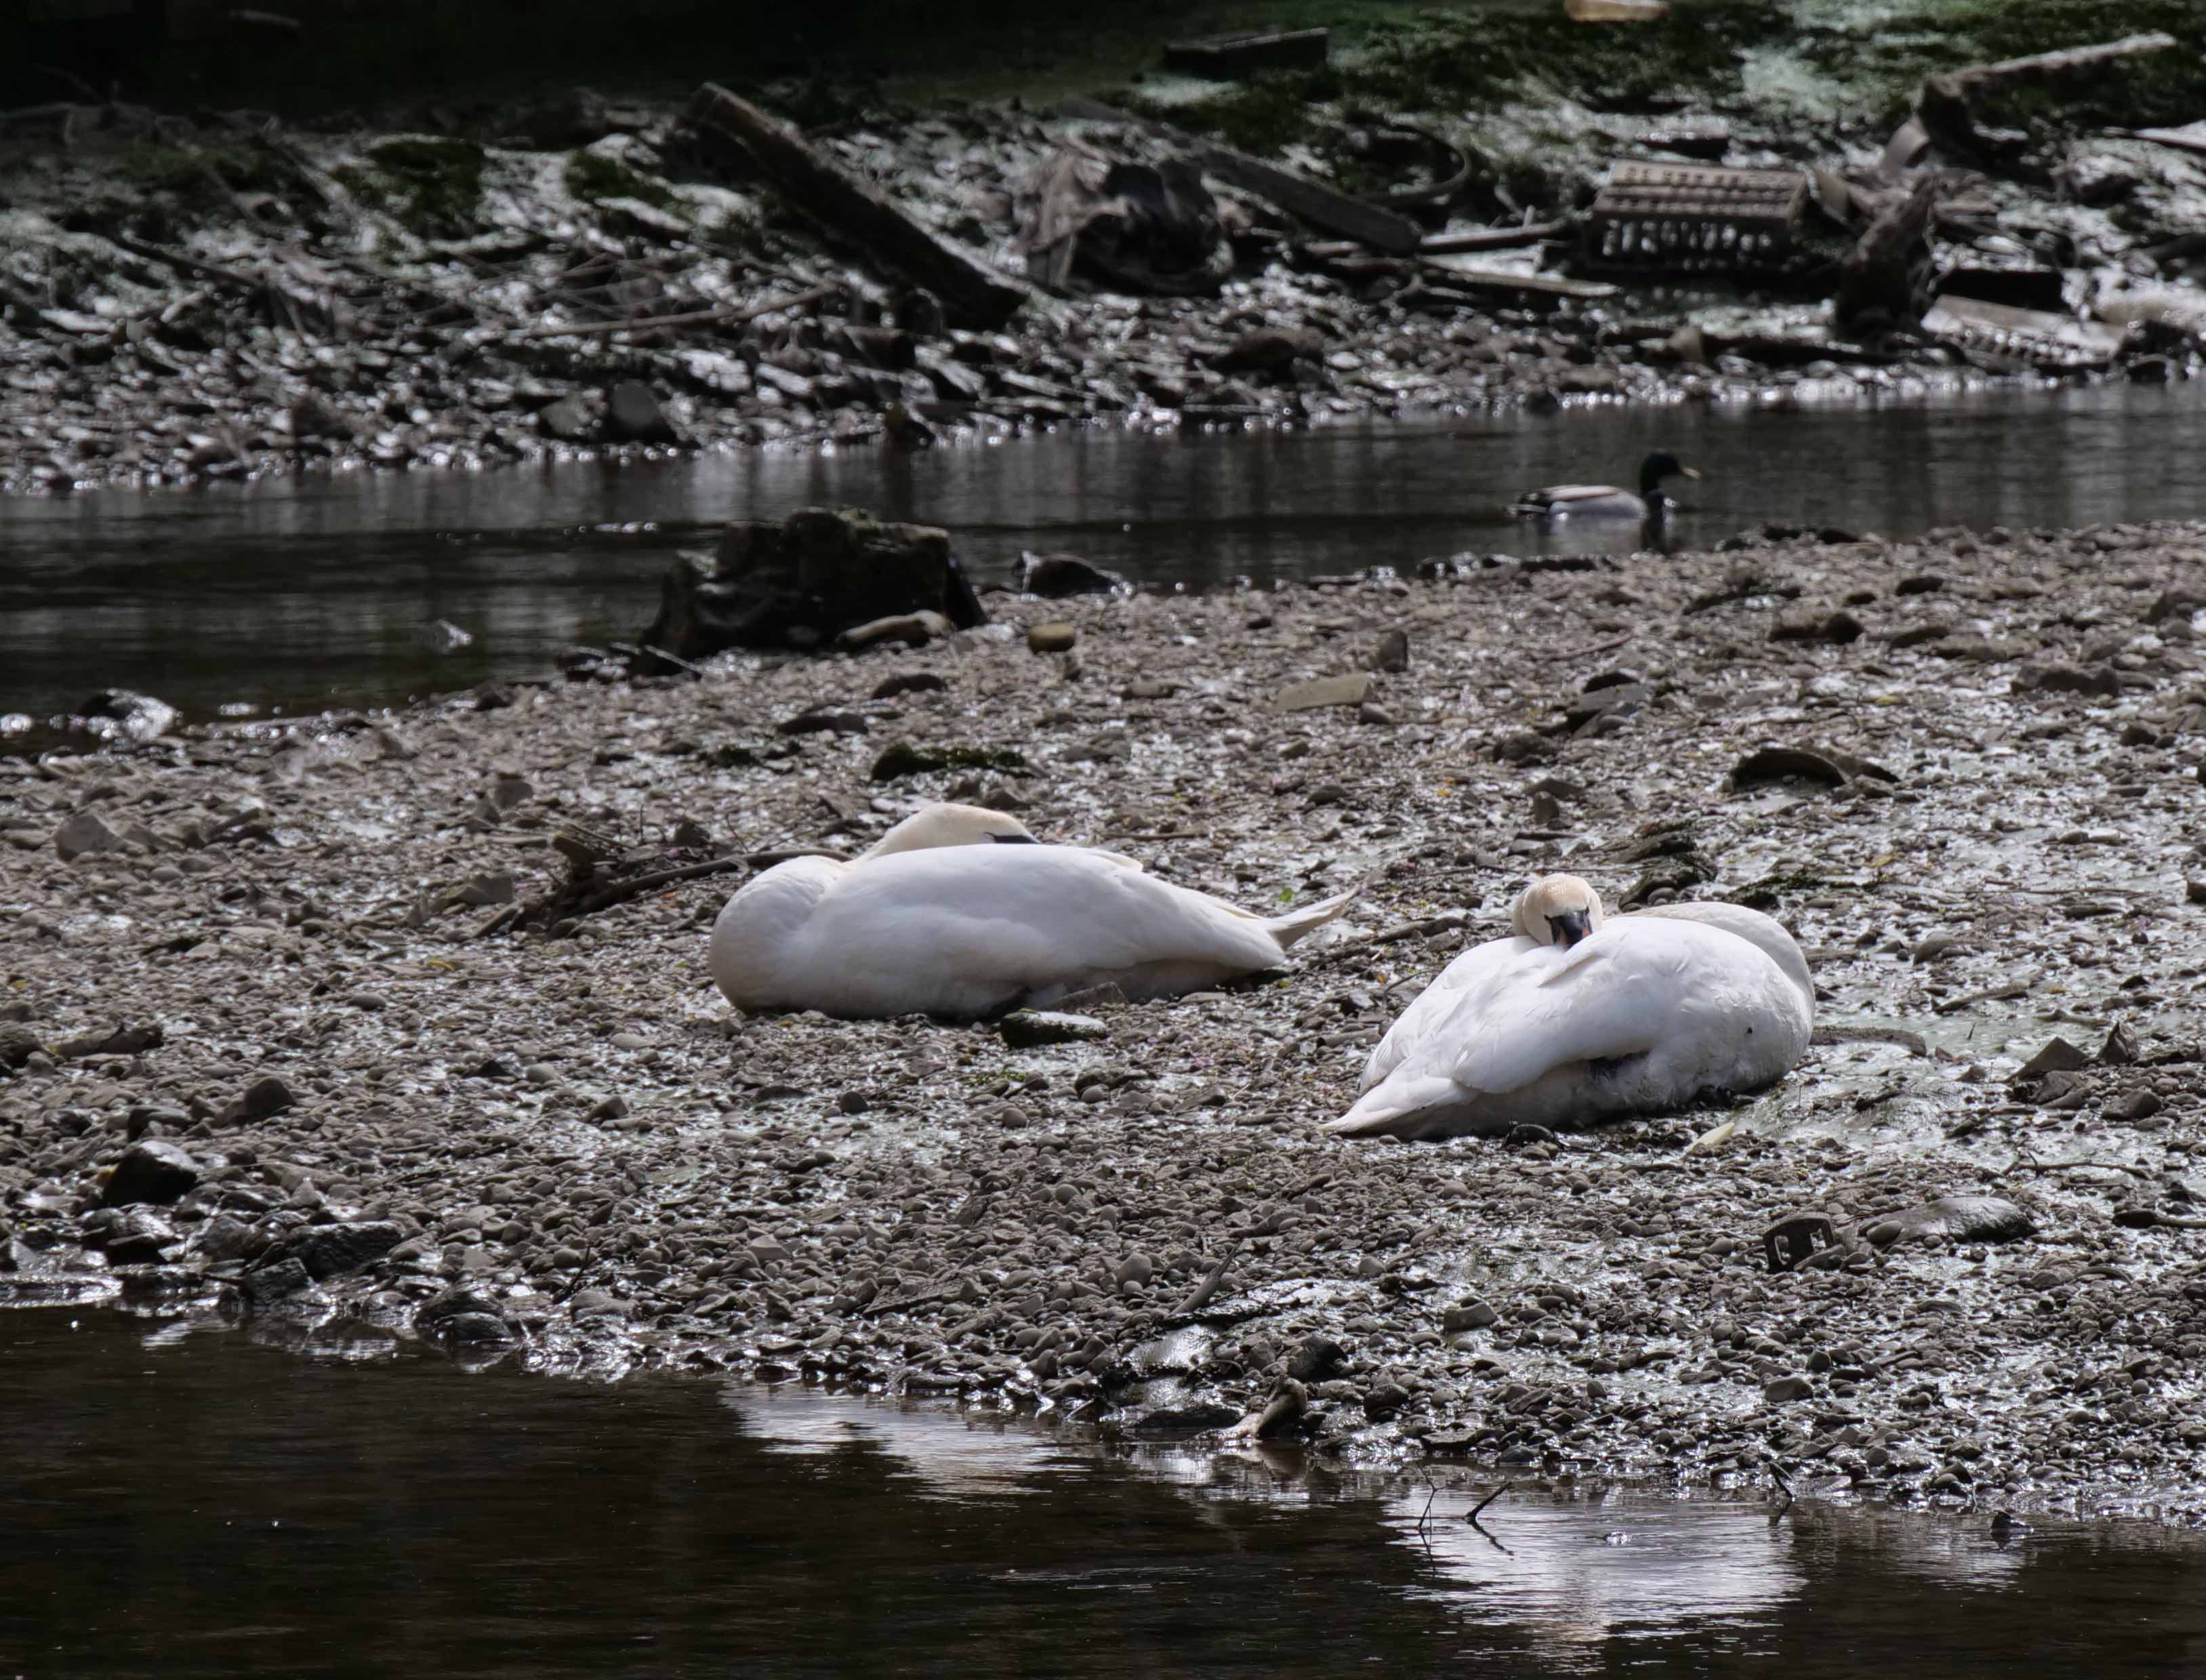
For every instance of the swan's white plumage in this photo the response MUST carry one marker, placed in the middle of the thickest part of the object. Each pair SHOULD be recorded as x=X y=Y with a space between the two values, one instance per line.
x=1641 y=1015
x=964 y=929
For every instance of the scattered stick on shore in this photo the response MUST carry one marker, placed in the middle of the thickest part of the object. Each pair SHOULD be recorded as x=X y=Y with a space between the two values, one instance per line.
x=972 y=293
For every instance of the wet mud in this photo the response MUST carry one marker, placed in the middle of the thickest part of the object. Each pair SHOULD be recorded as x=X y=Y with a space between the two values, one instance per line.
x=263 y=1054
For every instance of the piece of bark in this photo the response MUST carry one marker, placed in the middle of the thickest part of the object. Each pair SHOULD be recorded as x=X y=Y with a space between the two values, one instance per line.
x=1320 y=206
x=973 y=293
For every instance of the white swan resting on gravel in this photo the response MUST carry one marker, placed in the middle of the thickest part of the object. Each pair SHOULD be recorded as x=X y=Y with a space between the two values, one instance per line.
x=958 y=912
x=1577 y=1018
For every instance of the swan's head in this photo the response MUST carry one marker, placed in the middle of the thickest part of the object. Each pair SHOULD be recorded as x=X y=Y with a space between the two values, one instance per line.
x=1557 y=910
x=934 y=826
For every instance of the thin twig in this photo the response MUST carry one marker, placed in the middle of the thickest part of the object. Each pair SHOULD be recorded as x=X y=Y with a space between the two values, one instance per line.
x=658 y=878
x=1489 y=1500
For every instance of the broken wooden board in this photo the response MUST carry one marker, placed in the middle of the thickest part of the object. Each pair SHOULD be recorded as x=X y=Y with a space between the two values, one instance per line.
x=1320 y=206
x=2178 y=313
x=2029 y=335
x=1451 y=244
x=1695 y=217
x=1482 y=278
x=1227 y=57
x=973 y=293
x=2068 y=59
x=2191 y=137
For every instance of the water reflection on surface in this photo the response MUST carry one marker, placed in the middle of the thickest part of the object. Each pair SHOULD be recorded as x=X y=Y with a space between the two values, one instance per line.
x=307 y=592
x=185 y=1502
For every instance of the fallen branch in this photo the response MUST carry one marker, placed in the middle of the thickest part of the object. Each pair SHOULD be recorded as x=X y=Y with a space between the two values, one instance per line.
x=189 y=265
x=1198 y=1297
x=1290 y=1399
x=855 y=209
x=620 y=894
x=1943 y=109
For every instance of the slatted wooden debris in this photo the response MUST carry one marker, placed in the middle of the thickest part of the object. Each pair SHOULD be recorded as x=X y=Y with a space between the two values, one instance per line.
x=1695 y=217
x=2034 y=336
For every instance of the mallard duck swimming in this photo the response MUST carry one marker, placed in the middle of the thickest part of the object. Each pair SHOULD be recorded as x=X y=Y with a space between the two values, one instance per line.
x=1605 y=501
x=959 y=912
x=1577 y=1018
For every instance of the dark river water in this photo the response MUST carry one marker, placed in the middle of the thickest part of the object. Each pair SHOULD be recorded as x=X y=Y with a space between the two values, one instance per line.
x=182 y=1502
x=298 y=594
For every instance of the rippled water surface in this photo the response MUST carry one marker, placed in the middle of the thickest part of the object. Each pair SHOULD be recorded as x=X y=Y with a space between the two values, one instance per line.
x=299 y=594
x=184 y=1502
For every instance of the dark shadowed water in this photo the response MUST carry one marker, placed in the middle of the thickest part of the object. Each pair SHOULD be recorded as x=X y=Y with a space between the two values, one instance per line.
x=303 y=594
x=184 y=1502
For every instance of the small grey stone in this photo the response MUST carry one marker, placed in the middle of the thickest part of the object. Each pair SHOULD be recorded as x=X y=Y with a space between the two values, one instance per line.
x=1057 y=637
x=1778 y=1391
x=2058 y=1056
x=1316 y=1358
x=1032 y=1029
x=261 y=1099
x=83 y=835
x=266 y=1284
x=1469 y=1315
x=572 y=419
x=633 y=415
x=2121 y=1049
x=332 y=1250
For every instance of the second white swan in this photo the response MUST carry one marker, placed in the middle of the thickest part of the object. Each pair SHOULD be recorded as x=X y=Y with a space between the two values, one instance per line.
x=1577 y=1018
x=957 y=912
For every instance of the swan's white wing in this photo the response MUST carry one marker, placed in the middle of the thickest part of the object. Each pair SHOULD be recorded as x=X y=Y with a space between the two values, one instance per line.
x=1419 y=1028
x=1002 y=919
x=1606 y=996
x=1619 y=992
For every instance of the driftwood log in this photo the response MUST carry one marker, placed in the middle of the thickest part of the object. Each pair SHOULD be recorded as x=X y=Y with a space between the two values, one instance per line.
x=857 y=212
x=1320 y=206
x=1945 y=106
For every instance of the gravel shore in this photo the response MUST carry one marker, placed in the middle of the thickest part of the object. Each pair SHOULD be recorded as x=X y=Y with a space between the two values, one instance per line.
x=251 y=1001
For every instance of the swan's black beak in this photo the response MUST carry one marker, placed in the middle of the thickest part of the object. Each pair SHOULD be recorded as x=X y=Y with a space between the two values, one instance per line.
x=1568 y=927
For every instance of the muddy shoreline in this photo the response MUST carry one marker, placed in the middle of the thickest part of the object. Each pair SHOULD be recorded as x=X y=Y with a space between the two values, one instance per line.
x=225 y=295
x=268 y=954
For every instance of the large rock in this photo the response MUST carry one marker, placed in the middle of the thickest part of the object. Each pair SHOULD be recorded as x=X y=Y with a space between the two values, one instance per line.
x=151 y=1171
x=802 y=582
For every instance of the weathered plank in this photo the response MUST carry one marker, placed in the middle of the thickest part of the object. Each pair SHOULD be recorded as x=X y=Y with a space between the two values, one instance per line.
x=1320 y=206
x=973 y=293
x=1482 y=279
x=1222 y=57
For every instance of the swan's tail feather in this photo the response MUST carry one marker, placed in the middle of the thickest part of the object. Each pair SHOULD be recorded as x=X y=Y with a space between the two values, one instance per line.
x=1400 y=1105
x=1291 y=927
